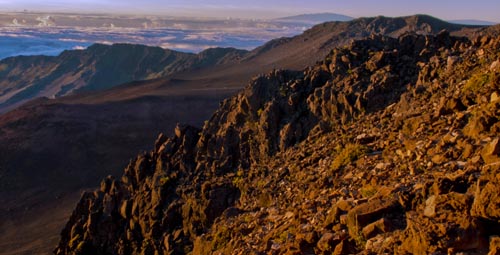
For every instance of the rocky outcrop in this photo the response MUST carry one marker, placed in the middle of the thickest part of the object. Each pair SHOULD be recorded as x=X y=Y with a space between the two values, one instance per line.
x=376 y=149
x=153 y=201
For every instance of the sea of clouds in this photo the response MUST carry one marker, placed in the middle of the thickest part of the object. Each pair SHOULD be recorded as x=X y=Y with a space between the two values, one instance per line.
x=52 y=41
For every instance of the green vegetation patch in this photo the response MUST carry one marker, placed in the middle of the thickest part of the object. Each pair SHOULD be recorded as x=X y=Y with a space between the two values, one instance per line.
x=478 y=81
x=221 y=238
x=368 y=191
x=347 y=155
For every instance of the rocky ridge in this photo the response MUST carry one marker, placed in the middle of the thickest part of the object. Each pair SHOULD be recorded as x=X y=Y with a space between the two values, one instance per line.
x=314 y=44
x=389 y=145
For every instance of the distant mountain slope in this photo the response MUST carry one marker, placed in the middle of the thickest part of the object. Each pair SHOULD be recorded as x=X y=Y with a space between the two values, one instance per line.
x=315 y=18
x=96 y=68
x=305 y=49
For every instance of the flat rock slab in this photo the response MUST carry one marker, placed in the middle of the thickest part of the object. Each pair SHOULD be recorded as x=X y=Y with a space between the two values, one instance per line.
x=364 y=214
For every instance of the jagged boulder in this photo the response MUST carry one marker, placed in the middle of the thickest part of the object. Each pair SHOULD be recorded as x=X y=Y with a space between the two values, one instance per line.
x=365 y=214
x=491 y=152
x=443 y=224
x=487 y=197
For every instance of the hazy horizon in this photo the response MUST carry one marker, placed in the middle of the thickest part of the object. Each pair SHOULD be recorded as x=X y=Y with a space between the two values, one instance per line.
x=444 y=9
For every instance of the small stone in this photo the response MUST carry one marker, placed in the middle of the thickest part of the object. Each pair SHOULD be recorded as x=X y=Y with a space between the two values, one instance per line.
x=438 y=159
x=364 y=138
x=487 y=199
x=461 y=164
x=494 y=245
x=381 y=166
x=494 y=97
x=343 y=219
x=178 y=235
x=178 y=131
x=409 y=153
x=378 y=227
x=495 y=66
x=160 y=140
x=451 y=61
x=337 y=228
x=275 y=246
x=429 y=164
x=311 y=237
x=412 y=170
x=348 y=176
x=467 y=150
x=345 y=59
x=491 y=152
x=124 y=209
x=475 y=159
x=341 y=248
x=373 y=243
x=345 y=205
x=400 y=153
x=328 y=241
x=430 y=207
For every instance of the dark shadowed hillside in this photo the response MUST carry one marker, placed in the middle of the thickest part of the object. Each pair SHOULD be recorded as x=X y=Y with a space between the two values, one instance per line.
x=51 y=149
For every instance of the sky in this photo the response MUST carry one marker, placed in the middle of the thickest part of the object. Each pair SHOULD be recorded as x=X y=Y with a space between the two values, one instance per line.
x=446 y=9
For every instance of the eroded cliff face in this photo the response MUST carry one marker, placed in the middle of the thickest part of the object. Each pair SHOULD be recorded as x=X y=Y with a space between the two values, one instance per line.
x=388 y=145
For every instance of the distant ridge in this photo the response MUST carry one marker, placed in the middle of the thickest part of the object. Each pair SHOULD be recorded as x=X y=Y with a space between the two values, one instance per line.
x=96 y=68
x=315 y=18
x=473 y=22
